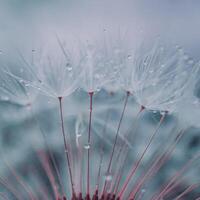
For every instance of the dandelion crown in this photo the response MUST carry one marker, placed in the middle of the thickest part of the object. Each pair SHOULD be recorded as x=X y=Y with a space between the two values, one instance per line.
x=118 y=149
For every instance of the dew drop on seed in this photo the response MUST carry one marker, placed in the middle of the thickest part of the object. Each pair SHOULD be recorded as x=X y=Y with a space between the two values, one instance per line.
x=129 y=57
x=98 y=89
x=180 y=49
x=162 y=112
x=87 y=146
x=145 y=63
x=78 y=135
x=108 y=177
x=162 y=66
x=69 y=67
x=143 y=191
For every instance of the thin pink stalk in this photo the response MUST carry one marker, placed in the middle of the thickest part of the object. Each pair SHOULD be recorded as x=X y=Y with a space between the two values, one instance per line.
x=89 y=141
x=21 y=182
x=157 y=164
x=188 y=190
x=80 y=155
x=118 y=179
x=176 y=176
x=11 y=188
x=115 y=141
x=99 y=171
x=45 y=163
x=49 y=151
x=3 y=196
x=135 y=167
x=66 y=146
x=116 y=172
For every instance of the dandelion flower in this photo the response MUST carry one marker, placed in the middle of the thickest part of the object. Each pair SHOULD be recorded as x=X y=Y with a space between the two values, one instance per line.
x=160 y=78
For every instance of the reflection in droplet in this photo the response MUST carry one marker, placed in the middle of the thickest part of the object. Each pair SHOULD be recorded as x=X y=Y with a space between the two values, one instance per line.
x=87 y=146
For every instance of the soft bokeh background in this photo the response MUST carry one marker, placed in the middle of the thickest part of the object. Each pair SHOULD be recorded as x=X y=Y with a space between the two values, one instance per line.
x=25 y=24
x=23 y=21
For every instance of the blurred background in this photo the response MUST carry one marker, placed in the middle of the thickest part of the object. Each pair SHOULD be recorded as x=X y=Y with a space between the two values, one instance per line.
x=26 y=24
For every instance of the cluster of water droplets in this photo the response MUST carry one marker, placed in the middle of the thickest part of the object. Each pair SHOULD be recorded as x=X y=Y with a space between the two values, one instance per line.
x=158 y=76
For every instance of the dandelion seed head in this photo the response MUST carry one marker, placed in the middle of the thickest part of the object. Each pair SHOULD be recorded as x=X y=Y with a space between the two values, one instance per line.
x=51 y=71
x=114 y=163
x=96 y=70
x=160 y=78
x=15 y=91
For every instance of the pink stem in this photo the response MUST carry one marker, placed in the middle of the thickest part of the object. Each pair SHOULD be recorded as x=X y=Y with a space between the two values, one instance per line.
x=65 y=145
x=135 y=167
x=116 y=138
x=89 y=140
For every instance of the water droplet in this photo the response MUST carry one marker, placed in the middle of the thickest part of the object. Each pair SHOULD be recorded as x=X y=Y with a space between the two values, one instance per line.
x=145 y=63
x=108 y=177
x=98 y=89
x=162 y=66
x=78 y=135
x=1 y=52
x=68 y=66
x=162 y=112
x=180 y=49
x=143 y=190
x=87 y=146
x=129 y=57
x=154 y=111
